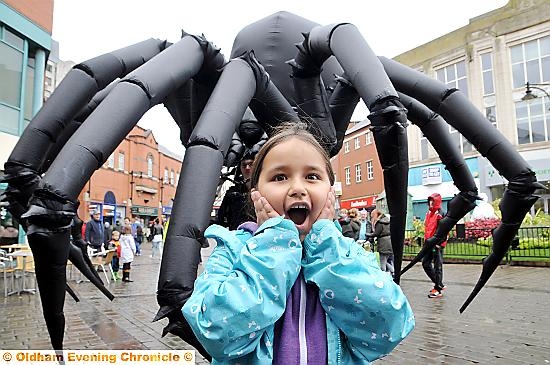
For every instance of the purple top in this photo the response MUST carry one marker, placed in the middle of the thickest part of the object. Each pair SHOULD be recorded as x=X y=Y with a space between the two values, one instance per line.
x=286 y=346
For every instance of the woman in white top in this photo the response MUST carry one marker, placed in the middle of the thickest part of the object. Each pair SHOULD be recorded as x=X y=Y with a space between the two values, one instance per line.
x=127 y=252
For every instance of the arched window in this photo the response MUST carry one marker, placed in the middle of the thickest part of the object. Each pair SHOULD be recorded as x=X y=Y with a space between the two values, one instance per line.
x=150 y=165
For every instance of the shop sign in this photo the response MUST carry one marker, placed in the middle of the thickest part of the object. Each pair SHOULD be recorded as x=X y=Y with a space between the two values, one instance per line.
x=431 y=175
x=359 y=203
x=143 y=210
x=166 y=210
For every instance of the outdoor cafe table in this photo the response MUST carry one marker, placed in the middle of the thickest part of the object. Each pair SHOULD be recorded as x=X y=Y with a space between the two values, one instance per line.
x=23 y=254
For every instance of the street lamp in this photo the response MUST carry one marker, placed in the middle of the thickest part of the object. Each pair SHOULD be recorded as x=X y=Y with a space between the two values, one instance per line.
x=529 y=93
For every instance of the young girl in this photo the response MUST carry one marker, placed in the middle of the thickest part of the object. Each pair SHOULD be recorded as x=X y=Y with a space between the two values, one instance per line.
x=114 y=244
x=290 y=289
x=127 y=252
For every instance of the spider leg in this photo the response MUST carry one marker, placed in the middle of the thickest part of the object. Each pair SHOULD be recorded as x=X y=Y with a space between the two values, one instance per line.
x=53 y=204
x=459 y=112
x=343 y=101
x=436 y=130
x=388 y=116
x=310 y=96
x=247 y=82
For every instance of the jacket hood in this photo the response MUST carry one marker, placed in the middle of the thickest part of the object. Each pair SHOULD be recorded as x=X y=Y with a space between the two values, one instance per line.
x=384 y=220
x=437 y=201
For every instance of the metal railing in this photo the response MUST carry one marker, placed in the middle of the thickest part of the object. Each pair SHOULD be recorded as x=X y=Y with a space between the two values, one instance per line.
x=530 y=244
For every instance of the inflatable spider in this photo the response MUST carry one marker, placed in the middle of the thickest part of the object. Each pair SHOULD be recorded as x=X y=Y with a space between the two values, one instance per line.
x=285 y=68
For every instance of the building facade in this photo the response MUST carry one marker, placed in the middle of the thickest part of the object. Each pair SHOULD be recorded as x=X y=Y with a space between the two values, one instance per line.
x=138 y=179
x=357 y=168
x=490 y=60
x=25 y=43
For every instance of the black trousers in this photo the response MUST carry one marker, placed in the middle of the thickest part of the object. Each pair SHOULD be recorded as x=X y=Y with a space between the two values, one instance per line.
x=433 y=266
x=126 y=271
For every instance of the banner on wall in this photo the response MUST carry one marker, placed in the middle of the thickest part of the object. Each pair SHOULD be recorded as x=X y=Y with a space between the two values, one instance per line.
x=358 y=203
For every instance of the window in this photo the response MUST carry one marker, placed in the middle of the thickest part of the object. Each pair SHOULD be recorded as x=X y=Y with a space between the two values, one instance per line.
x=491 y=115
x=358 y=173
x=149 y=165
x=357 y=143
x=165 y=176
x=533 y=120
x=348 y=175
x=423 y=147
x=368 y=138
x=370 y=170
x=346 y=146
x=172 y=177
x=177 y=178
x=531 y=62
x=454 y=76
x=29 y=94
x=487 y=74
x=121 y=161
x=111 y=161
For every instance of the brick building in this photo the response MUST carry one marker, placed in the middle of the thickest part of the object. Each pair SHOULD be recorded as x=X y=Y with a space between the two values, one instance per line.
x=358 y=168
x=138 y=179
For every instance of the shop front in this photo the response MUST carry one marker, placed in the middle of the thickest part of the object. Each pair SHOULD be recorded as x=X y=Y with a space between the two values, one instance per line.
x=145 y=212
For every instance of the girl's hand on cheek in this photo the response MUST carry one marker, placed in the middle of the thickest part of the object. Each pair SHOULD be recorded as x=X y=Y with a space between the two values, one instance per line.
x=328 y=210
x=263 y=209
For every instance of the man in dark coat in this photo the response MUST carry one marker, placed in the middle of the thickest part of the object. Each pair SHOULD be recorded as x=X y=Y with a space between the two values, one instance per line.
x=94 y=234
x=235 y=208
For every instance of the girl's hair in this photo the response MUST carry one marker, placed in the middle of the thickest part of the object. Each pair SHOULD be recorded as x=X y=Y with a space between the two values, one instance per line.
x=283 y=133
x=126 y=230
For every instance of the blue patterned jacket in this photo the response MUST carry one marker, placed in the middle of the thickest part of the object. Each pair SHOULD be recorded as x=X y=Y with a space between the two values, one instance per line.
x=243 y=289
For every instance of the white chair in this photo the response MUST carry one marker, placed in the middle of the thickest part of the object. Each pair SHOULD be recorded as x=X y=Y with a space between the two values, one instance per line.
x=6 y=267
x=101 y=260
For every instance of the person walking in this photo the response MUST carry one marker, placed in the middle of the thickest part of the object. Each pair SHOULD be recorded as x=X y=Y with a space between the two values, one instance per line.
x=127 y=252
x=432 y=262
x=157 y=233
x=381 y=224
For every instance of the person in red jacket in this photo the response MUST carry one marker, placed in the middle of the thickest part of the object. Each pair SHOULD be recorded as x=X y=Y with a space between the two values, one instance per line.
x=433 y=261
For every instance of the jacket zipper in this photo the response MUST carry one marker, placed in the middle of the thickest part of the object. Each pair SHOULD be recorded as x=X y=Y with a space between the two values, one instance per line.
x=302 y=323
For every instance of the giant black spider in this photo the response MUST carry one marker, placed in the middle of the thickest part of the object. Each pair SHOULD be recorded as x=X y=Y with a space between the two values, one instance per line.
x=331 y=70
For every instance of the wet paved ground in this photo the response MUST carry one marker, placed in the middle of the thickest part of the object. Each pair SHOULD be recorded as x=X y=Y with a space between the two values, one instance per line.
x=508 y=323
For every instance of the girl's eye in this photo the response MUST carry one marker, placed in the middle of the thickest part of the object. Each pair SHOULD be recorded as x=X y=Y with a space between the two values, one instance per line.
x=279 y=177
x=314 y=177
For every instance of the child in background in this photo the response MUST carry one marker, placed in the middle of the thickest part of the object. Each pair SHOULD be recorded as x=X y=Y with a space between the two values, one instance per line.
x=127 y=252
x=114 y=244
x=292 y=270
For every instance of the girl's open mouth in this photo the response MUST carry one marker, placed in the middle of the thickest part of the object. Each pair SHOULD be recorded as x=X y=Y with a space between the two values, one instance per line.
x=298 y=214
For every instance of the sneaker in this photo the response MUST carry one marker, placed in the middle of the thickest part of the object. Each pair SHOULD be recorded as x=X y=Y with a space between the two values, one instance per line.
x=435 y=294
x=444 y=287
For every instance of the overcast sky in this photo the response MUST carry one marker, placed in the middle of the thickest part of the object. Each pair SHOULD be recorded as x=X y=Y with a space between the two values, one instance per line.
x=85 y=29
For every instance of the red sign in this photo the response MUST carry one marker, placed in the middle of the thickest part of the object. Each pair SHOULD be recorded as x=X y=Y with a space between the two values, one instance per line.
x=358 y=203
